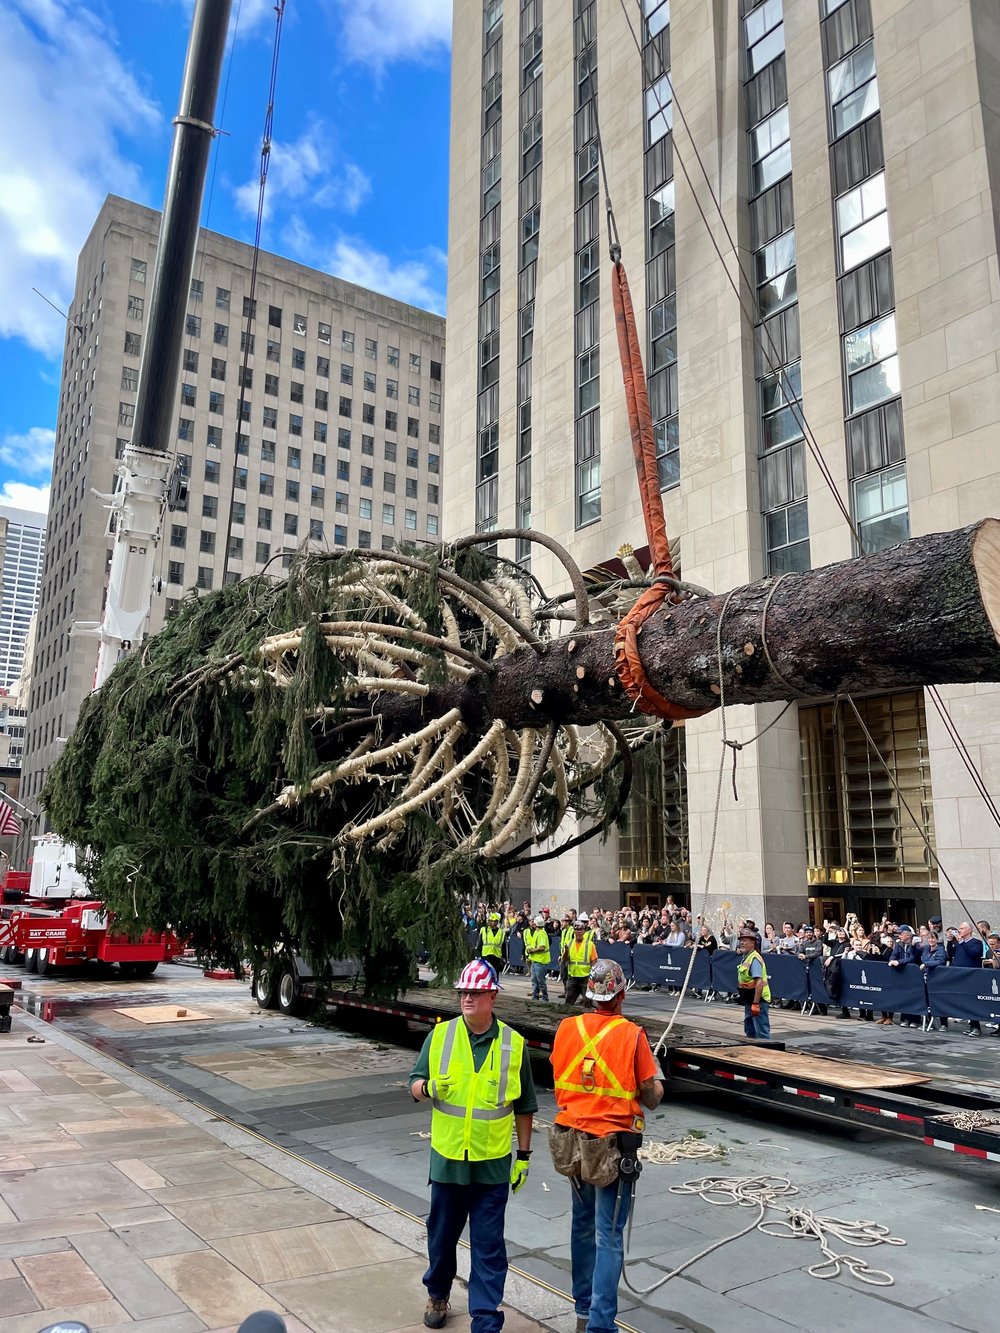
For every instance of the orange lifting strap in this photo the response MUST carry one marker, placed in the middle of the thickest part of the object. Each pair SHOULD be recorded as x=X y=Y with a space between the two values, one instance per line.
x=628 y=663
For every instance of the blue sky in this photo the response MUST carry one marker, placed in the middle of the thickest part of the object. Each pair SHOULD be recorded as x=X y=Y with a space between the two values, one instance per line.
x=357 y=183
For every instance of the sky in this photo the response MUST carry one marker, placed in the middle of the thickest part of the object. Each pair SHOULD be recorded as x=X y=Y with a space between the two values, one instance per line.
x=357 y=182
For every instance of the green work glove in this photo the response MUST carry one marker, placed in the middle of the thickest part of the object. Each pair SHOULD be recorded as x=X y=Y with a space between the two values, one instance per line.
x=519 y=1169
x=439 y=1089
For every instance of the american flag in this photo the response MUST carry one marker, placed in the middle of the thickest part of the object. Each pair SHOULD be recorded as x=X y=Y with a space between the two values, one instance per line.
x=10 y=826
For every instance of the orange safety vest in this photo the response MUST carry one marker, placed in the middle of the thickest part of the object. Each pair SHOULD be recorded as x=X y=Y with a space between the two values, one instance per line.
x=593 y=1059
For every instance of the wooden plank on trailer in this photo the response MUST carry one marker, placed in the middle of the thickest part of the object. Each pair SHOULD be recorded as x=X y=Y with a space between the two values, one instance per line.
x=847 y=1074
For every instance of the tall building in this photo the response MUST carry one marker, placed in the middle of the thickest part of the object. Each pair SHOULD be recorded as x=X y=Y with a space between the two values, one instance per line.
x=849 y=166
x=22 y=544
x=338 y=443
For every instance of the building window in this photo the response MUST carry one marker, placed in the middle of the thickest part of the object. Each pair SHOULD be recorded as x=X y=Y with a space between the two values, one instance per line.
x=136 y=305
x=432 y=525
x=319 y=465
x=588 y=272
x=267 y=451
x=192 y=326
x=126 y=414
x=389 y=482
x=264 y=519
x=249 y=308
x=347 y=340
x=588 y=491
x=880 y=505
x=364 y=507
x=389 y=451
x=765 y=35
x=787 y=536
x=392 y=356
x=413 y=428
x=175 y=572
x=317 y=496
x=391 y=420
x=130 y=378
x=323 y=332
x=222 y=295
x=666 y=437
x=271 y=385
x=345 y=407
x=239 y=511
x=530 y=224
x=133 y=344
x=323 y=367
x=368 y=444
x=872 y=364
x=138 y=273
x=294 y=423
x=770 y=150
x=412 y=457
x=776 y=278
x=388 y=515
x=265 y=483
x=204 y=579
x=215 y=437
x=292 y=490
x=297 y=392
x=344 y=438
x=661 y=219
x=436 y=397
x=274 y=316
x=344 y=470
x=410 y=519
x=659 y=110
x=211 y=470
x=367 y=476
x=178 y=536
x=210 y=506
x=291 y=528
x=346 y=373
x=433 y=463
x=299 y=325
x=364 y=539
x=295 y=458
x=216 y=401
x=322 y=400
x=588 y=380
x=263 y=552
x=319 y=431
x=197 y=289
x=270 y=418
x=236 y=548
x=862 y=222
x=853 y=89
x=371 y=349
x=315 y=529
x=273 y=350
x=653 y=843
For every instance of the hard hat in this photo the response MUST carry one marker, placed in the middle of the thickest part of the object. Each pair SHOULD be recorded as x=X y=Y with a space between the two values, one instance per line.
x=478 y=975
x=748 y=935
x=494 y=916
x=539 y=920
x=582 y=920
x=606 y=980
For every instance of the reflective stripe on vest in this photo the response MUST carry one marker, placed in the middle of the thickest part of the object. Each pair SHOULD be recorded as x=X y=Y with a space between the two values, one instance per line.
x=579 y=957
x=536 y=946
x=491 y=942
x=743 y=978
x=587 y=1057
x=476 y=1120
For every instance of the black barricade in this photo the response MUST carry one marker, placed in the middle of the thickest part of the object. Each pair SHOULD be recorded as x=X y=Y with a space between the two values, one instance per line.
x=621 y=953
x=472 y=935
x=818 y=992
x=724 y=964
x=515 y=951
x=786 y=976
x=968 y=993
x=555 y=951
x=895 y=990
x=661 y=965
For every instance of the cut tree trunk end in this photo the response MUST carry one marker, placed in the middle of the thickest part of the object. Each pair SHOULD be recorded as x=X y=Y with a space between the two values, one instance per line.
x=923 y=613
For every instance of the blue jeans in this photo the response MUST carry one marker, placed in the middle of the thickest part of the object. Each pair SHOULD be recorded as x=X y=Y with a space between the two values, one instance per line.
x=539 y=990
x=759 y=1026
x=483 y=1206
x=597 y=1247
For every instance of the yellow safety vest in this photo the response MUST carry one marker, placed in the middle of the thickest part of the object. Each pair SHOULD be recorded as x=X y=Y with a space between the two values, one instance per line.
x=579 y=957
x=491 y=941
x=536 y=946
x=743 y=978
x=476 y=1120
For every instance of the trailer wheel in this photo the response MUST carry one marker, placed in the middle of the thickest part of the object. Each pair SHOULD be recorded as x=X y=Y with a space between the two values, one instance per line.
x=144 y=969
x=289 y=999
x=31 y=960
x=43 y=962
x=265 y=987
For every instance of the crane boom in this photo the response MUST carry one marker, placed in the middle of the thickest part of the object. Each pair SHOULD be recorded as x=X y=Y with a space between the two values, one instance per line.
x=137 y=506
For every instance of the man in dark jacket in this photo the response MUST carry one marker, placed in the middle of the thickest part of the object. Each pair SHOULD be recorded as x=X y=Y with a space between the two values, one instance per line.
x=969 y=952
x=904 y=953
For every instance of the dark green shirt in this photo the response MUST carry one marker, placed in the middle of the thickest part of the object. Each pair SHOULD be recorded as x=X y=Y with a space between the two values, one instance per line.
x=444 y=1171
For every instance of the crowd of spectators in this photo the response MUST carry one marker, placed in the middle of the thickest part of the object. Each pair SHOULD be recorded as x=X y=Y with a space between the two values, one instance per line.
x=929 y=946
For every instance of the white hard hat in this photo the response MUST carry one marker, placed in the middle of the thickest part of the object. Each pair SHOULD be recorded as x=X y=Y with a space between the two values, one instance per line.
x=539 y=921
x=584 y=918
x=606 y=980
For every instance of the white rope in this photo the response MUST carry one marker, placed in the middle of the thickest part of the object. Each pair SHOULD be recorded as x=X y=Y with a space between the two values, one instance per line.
x=687 y=1149
x=765 y=1193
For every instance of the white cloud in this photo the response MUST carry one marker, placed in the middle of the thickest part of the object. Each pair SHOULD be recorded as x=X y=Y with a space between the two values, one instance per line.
x=418 y=282
x=304 y=173
x=21 y=496
x=378 y=32
x=29 y=454
x=67 y=98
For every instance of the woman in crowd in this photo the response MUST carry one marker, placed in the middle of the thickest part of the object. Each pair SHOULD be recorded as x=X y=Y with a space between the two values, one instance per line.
x=727 y=935
x=770 y=941
x=834 y=948
x=859 y=947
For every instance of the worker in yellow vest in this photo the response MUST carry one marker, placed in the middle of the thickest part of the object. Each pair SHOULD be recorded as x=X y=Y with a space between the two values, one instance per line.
x=491 y=938
x=536 y=953
x=581 y=955
x=474 y=1071
x=751 y=980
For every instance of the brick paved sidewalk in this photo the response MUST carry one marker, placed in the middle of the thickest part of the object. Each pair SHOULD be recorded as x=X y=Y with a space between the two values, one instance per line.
x=122 y=1204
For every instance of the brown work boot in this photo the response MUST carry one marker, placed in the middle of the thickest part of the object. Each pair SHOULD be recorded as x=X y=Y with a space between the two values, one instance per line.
x=582 y=1320
x=436 y=1313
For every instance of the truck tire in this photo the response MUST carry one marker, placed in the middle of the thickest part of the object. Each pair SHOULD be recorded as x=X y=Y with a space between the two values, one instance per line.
x=31 y=960
x=289 y=996
x=265 y=986
x=144 y=969
x=43 y=963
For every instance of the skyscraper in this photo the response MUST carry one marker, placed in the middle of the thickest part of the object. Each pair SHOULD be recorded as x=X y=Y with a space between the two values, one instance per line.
x=338 y=443
x=804 y=194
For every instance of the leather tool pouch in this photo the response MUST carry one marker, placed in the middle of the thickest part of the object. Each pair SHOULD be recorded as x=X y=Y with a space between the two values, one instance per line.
x=599 y=1160
x=564 y=1145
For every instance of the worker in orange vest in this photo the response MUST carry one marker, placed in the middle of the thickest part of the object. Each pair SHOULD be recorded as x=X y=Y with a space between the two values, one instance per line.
x=605 y=1074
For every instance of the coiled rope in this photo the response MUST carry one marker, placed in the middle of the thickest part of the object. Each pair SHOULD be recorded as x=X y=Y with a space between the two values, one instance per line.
x=686 y=1149
x=766 y=1193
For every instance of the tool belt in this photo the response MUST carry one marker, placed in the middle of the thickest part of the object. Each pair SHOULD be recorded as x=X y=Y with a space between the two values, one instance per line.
x=596 y=1159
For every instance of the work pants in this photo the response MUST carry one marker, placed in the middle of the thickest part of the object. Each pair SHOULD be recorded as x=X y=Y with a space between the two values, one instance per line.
x=539 y=987
x=759 y=1026
x=597 y=1250
x=576 y=989
x=483 y=1207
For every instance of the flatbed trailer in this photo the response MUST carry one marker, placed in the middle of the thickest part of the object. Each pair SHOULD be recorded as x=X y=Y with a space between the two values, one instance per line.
x=908 y=1104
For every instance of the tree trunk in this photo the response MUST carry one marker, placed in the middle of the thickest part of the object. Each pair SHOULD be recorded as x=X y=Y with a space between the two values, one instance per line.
x=924 y=613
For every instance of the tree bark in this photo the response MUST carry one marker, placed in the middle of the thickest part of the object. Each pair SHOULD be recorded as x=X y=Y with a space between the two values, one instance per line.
x=923 y=613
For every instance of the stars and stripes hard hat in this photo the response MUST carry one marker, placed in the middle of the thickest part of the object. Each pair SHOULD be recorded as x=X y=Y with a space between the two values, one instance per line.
x=478 y=975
